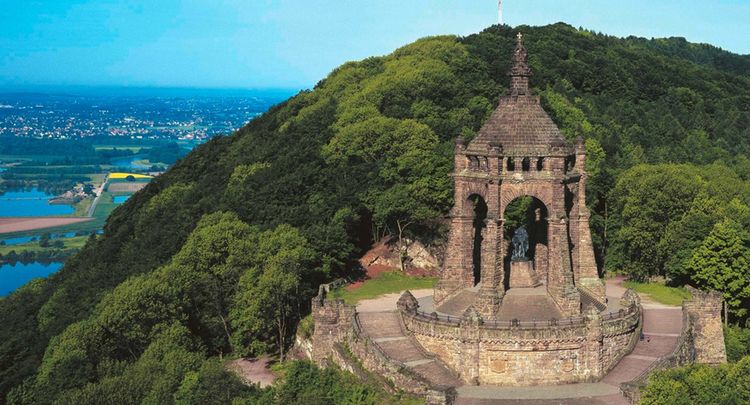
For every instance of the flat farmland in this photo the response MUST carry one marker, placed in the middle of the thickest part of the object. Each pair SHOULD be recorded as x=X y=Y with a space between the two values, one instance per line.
x=121 y=187
x=21 y=224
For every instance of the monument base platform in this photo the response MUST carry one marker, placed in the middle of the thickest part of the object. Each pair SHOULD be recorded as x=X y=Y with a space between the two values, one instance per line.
x=523 y=275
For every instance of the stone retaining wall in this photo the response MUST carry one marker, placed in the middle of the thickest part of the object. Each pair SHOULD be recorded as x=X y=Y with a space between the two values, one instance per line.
x=337 y=329
x=526 y=353
x=701 y=341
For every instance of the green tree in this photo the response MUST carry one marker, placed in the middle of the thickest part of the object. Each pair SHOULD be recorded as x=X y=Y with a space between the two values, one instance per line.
x=737 y=341
x=44 y=240
x=272 y=293
x=212 y=384
x=721 y=263
x=645 y=201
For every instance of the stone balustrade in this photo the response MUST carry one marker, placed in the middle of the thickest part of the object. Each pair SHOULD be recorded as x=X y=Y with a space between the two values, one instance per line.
x=555 y=351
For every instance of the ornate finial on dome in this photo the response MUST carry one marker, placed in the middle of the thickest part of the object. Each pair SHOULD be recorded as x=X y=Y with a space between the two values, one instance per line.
x=520 y=70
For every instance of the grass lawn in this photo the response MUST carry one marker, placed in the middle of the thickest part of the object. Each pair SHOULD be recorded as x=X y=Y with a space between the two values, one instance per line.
x=384 y=283
x=660 y=293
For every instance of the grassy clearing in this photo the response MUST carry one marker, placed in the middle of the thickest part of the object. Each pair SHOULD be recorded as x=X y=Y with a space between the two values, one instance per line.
x=384 y=283
x=107 y=204
x=660 y=293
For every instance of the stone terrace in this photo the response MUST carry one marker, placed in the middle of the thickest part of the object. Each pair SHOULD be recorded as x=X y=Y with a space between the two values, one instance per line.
x=662 y=327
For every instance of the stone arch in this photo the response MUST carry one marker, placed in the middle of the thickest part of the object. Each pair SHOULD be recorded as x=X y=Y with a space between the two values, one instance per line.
x=536 y=226
x=469 y=190
x=539 y=237
x=512 y=192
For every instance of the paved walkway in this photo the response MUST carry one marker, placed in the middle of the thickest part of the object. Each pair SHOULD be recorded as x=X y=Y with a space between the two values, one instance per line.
x=585 y=393
x=387 y=302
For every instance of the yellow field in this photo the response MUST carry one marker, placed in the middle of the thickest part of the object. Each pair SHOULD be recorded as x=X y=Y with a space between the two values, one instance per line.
x=124 y=175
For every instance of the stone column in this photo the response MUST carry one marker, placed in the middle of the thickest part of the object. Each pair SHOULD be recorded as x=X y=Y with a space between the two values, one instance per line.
x=333 y=323
x=469 y=341
x=708 y=336
x=560 y=285
x=587 y=272
x=491 y=292
x=593 y=345
x=457 y=267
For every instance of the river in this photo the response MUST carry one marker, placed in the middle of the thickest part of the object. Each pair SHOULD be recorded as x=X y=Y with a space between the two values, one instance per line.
x=13 y=276
x=31 y=203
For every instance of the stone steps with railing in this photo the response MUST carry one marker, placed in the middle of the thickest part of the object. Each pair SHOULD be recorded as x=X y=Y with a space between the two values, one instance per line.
x=386 y=331
x=589 y=300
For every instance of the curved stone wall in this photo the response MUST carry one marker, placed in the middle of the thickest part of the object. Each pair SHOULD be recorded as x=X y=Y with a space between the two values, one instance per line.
x=515 y=353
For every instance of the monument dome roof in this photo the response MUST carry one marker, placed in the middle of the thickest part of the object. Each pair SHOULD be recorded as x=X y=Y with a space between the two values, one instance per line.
x=519 y=125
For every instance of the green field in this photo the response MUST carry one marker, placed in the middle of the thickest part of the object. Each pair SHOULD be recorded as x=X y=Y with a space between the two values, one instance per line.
x=76 y=242
x=105 y=207
x=384 y=283
x=660 y=293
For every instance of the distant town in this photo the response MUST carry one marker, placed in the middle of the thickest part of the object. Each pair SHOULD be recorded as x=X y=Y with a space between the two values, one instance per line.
x=140 y=116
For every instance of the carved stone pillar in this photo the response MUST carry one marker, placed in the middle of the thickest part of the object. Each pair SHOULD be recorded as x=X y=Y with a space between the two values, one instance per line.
x=560 y=285
x=594 y=344
x=458 y=265
x=491 y=292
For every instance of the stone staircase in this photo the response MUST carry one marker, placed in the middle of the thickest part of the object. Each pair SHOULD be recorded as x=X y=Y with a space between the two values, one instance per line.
x=385 y=330
x=457 y=305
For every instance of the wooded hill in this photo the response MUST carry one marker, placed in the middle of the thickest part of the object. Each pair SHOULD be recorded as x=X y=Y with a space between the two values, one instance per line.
x=220 y=255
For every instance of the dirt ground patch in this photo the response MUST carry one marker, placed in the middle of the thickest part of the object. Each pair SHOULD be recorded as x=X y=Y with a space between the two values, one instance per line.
x=253 y=371
x=125 y=187
x=17 y=224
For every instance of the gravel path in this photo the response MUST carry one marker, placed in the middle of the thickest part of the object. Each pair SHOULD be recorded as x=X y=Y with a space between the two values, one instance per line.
x=387 y=302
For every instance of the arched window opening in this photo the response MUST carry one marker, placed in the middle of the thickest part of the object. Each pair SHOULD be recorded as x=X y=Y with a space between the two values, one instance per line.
x=530 y=214
x=540 y=164
x=526 y=164
x=511 y=165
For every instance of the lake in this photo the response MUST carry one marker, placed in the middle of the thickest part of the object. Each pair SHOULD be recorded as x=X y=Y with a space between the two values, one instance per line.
x=119 y=199
x=31 y=203
x=13 y=276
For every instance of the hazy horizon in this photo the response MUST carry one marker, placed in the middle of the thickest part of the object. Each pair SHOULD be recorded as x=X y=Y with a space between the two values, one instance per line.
x=233 y=44
x=87 y=90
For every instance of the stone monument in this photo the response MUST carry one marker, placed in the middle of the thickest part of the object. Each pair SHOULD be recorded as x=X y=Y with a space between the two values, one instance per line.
x=520 y=152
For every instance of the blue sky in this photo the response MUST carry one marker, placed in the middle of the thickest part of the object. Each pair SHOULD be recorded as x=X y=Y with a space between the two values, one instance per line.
x=295 y=43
